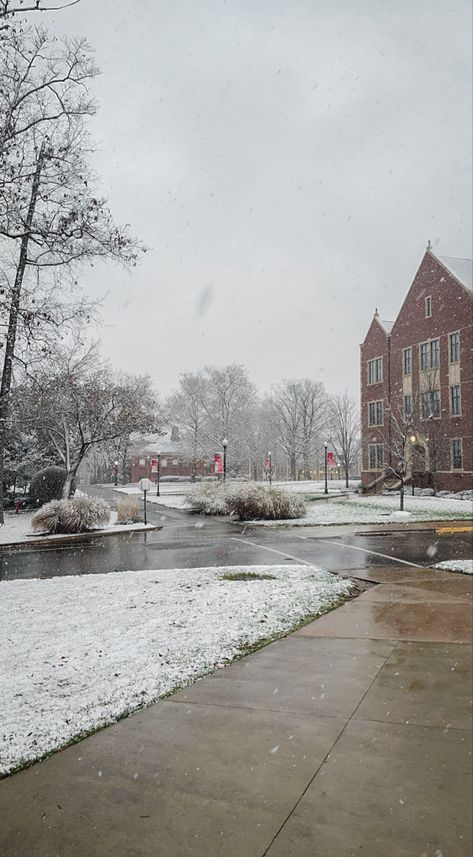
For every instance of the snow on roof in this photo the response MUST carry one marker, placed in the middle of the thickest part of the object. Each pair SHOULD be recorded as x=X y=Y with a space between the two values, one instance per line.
x=462 y=269
x=387 y=325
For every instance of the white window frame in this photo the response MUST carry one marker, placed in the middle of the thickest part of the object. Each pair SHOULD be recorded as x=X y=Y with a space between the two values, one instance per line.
x=460 y=441
x=405 y=352
x=459 y=412
x=428 y=306
x=431 y=415
x=430 y=351
x=454 y=333
x=408 y=415
x=377 y=406
x=376 y=447
x=374 y=363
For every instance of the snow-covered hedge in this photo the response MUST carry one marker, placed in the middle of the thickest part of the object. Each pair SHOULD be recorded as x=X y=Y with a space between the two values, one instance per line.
x=71 y=516
x=249 y=501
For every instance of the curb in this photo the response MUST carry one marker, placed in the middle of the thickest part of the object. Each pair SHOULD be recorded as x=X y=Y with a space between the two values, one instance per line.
x=73 y=538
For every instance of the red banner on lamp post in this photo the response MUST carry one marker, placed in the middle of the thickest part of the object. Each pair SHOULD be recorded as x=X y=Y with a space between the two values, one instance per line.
x=154 y=465
x=218 y=461
x=331 y=460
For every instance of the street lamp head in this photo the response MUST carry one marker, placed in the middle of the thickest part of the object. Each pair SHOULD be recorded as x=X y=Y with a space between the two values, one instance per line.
x=269 y=454
x=325 y=444
x=413 y=438
x=115 y=463
x=158 y=454
x=224 y=442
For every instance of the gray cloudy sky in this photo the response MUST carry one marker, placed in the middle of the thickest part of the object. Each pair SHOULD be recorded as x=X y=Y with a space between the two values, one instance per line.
x=286 y=162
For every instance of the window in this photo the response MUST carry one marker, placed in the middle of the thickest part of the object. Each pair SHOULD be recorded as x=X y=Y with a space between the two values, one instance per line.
x=429 y=354
x=428 y=306
x=407 y=407
x=375 y=370
x=407 y=361
x=375 y=413
x=457 y=454
x=430 y=404
x=455 y=400
x=454 y=347
x=376 y=455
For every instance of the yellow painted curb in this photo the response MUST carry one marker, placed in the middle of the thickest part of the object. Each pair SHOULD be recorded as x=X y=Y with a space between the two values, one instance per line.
x=444 y=530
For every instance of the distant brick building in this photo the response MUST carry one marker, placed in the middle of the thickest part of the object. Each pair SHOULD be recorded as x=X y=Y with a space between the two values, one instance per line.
x=416 y=379
x=174 y=459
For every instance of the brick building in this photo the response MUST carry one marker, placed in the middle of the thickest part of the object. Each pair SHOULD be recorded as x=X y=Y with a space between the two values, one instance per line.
x=174 y=459
x=416 y=382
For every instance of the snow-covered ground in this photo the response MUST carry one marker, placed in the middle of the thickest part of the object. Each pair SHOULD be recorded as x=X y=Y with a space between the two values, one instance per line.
x=355 y=509
x=17 y=529
x=465 y=566
x=78 y=652
x=378 y=510
x=173 y=494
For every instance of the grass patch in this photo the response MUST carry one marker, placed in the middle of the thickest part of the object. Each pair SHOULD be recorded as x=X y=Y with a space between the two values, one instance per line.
x=247 y=575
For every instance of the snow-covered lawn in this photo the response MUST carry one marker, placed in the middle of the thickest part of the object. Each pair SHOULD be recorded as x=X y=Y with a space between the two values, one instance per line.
x=78 y=652
x=378 y=510
x=173 y=494
x=17 y=529
x=465 y=566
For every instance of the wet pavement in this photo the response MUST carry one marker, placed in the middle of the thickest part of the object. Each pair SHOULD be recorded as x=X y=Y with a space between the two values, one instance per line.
x=187 y=542
x=351 y=736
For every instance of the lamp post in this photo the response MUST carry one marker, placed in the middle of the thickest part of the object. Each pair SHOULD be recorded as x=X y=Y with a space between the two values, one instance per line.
x=413 y=439
x=224 y=444
x=115 y=472
x=325 y=467
x=158 y=473
x=270 y=460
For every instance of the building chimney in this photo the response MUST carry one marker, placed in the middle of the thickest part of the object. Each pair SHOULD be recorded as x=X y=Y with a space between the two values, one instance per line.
x=174 y=434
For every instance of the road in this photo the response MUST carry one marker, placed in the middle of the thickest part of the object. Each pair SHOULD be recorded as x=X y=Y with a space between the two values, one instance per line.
x=186 y=542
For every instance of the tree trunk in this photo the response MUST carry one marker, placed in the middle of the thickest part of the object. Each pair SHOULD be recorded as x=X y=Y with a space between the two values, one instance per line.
x=346 y=477
x=401 y=506
x=13 y=320
x=293 y=468
x=67 y=487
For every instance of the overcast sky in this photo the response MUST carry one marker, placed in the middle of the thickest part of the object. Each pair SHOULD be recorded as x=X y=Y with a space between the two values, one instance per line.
x=286 y=162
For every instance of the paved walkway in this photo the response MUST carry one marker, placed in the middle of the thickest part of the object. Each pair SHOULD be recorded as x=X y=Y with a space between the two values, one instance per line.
x=350 y=737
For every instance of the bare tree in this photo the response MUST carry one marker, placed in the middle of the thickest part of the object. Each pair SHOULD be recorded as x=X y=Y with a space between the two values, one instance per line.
x=298 y=413
x=186 y=407
x=9 y=10
x=345 y=430
x=228 y=403
x=51 y=221
x=74 y=403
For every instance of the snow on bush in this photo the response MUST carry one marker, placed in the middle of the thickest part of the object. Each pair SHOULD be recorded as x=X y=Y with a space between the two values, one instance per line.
x=255 y=502
x=208 y=499
x=128 y=511
x=71 y=516
x=47 y=485
x=248 y=500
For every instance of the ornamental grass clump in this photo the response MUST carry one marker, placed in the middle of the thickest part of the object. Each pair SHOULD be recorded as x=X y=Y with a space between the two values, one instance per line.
x=250 y=502
x=256 y=502
x=208 y=499
x=79 y=515
x=128 y=511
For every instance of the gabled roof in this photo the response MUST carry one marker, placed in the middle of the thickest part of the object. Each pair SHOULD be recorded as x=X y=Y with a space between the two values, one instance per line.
x=462 y=269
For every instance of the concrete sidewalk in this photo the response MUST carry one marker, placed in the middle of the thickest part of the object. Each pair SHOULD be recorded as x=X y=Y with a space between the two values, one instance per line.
x=350 y=737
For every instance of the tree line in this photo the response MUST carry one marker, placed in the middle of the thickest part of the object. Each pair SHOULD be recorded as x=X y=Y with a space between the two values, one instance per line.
x=292 y=421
